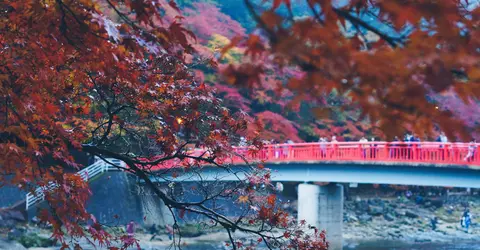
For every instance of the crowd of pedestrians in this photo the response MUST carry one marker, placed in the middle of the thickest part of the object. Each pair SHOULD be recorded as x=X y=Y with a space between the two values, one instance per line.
x=407 y=148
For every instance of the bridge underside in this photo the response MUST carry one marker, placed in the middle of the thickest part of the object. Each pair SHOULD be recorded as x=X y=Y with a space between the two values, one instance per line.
x=447 y=176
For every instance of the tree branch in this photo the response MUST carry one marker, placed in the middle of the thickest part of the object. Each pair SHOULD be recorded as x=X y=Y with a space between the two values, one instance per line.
x=394 y=42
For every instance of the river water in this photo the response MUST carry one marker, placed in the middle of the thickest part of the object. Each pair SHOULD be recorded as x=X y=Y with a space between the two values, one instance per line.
x=389 y=245
x=377 y=245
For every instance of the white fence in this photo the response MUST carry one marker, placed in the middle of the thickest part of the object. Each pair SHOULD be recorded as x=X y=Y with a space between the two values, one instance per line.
x=99 y=167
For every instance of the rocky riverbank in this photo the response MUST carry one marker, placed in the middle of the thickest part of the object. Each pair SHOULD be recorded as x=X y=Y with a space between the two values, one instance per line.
x=367 y=219
x=409 y=220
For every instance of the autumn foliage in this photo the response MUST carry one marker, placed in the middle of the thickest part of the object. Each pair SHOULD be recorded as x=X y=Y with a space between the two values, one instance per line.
x=116 y=79
x=387 y=57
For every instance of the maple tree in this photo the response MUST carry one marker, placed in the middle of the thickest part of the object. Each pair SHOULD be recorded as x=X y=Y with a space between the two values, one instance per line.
x=113 y=79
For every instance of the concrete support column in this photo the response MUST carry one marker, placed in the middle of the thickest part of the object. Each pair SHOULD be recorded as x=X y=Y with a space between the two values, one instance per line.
x=322 y=207
x=153 y=209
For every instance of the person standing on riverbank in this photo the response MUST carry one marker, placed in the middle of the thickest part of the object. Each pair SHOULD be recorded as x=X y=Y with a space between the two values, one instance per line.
x=434 y=222
x=131 y=229
x=153 y=232
x=467 y=219
x=169 y=231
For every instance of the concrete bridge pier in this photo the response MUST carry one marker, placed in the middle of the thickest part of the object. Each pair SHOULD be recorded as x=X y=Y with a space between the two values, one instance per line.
x=322 y=207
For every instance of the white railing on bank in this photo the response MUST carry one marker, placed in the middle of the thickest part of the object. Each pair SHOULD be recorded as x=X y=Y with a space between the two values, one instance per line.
x=98 y=167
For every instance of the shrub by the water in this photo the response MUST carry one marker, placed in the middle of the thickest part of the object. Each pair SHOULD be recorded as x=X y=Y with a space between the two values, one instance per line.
x=34 y=240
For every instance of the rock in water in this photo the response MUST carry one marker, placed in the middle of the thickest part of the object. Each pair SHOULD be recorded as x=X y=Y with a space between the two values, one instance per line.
x=351 y=218
x=361 y=206
x=399 y=212
x=411 y=214
x=375 y=210
x=437 y=203
x=364 y=218
x=389 y=217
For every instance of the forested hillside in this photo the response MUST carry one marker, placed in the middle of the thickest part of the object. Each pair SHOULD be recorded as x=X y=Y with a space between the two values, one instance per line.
x=216 y=23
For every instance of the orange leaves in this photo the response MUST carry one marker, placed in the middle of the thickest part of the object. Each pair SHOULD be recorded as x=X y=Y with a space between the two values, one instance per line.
x=98 y=115
x=255 y=46
x=271 y=19
x=439 y=76
x=321 y=112
x=243 y=199
x=271 y=200
x=400 y=12
x=141 y=9
x=265 y=213
x=294 y=83
x=50 y=108
x=179 y=34
x=243 y=75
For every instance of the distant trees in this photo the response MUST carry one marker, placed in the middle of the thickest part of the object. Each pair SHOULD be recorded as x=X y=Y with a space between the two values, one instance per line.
x=206 y=19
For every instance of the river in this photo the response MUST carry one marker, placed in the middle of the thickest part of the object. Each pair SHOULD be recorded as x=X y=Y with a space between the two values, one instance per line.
x=376 y=245
x=390 y=245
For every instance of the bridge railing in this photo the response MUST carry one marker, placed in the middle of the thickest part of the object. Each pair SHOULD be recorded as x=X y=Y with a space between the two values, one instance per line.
x=415 y=152
x=412 y=152
x=98 y=167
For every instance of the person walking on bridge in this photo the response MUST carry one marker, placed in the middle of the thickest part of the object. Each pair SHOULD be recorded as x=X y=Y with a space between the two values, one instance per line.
x=442 y=138
x=417 y=146
x=364 y=145
x=323 y=146
x=276 y=148
x=394 y=149
x=409 y=138
x=373 y=149
x=471 y=151
x=334 y=145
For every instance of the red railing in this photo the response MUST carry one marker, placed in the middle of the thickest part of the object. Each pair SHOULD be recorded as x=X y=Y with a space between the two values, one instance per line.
x=400 y=152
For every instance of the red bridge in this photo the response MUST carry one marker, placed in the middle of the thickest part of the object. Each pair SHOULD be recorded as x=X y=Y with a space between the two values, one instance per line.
x=430 y=153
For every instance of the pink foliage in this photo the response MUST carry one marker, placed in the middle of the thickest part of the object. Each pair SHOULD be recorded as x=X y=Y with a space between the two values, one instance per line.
x=232 y=98
x=203 y=51
x=206 y=19
x=277 y=127
x=469 y=113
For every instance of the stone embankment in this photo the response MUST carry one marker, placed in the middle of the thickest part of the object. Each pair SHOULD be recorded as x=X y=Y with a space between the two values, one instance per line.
x=401 y=219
